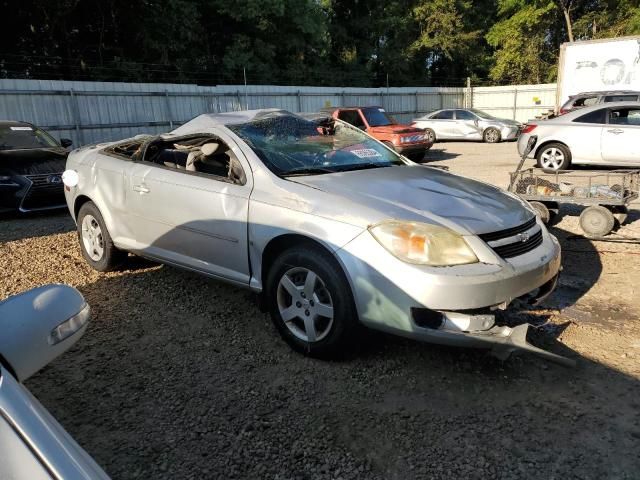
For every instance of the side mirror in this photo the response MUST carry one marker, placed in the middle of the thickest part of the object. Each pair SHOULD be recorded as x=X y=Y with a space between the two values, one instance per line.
x=38 y=325
x=533 y=139
x=476 y=122
x=66 y=142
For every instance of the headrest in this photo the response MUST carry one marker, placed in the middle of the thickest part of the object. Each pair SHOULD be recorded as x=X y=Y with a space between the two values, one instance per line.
x=209 y=148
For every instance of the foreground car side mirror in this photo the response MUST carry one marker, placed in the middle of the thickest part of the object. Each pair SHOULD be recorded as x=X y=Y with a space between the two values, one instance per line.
x=38 y=325
x=66 y=142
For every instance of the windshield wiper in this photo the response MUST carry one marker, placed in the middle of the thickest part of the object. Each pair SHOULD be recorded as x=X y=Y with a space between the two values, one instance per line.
x=307 y=171
x=363 y=166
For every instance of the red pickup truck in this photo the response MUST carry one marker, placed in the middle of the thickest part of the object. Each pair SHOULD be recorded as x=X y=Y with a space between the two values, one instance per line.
x=407 y=140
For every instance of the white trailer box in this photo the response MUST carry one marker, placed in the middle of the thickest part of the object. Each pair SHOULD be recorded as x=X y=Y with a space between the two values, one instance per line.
x=597 y=65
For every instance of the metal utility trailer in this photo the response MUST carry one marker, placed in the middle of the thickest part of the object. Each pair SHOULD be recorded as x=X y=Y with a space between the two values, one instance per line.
x=606 y=193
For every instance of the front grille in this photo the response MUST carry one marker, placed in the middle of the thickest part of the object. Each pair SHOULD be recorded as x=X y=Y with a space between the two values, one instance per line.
x=45 y=192
x=518 y=248
x=509 y=232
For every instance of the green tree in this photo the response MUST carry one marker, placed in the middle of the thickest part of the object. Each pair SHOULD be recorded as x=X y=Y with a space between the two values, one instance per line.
x=525 y=41
x=451 y=37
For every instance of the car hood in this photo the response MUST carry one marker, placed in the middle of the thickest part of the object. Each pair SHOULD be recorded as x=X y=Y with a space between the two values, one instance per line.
x=397 y=128
x=29 y=161
x=418 y=193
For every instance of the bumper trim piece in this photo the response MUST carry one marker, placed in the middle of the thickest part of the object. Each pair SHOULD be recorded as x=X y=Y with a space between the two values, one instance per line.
x=516 y=339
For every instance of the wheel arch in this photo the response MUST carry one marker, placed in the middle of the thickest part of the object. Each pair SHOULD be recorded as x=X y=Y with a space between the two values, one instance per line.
x=547 y=142
x=285 y=241
x=77 y=204
x=106 y=214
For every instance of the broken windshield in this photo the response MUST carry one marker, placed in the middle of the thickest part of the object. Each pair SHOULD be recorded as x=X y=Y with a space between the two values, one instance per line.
x=290 y=145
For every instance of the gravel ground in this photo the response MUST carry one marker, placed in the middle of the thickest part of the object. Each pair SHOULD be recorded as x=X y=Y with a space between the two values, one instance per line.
x=182 y=377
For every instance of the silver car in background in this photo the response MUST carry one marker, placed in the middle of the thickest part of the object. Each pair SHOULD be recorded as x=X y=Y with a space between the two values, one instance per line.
x=36 y=327
x=331 y=227
x=467 y=124
x=604 y=134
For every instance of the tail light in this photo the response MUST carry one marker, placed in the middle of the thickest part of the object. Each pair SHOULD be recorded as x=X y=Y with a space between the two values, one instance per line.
x=529 y=128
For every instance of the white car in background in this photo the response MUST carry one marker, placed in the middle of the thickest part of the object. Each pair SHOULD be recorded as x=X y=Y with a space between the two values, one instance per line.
x=467 y=124
x=604 y=134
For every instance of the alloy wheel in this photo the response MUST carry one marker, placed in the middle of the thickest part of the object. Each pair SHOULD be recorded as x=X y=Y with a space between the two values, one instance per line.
x=305 y=304
x=492 y=136
x=92 y=238
x=552 y=158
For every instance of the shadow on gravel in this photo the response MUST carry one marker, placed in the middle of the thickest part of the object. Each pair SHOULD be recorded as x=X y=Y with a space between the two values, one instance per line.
x=179 y=376
x=21 y=226
x=437 y=154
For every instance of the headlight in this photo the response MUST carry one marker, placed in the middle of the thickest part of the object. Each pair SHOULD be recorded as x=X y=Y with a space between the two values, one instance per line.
x=423 y=244
x=8 y=181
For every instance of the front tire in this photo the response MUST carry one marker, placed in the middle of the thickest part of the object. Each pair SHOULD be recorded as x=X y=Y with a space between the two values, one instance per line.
x=390 y=145
x=310 y=302
x=95 y=242
x=416 y=156
x=491 y=135
x=554 y=156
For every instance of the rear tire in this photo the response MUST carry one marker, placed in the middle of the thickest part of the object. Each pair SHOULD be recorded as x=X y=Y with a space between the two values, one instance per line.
x=597 y=221
x=554 y=156
x=95 y=242
x=310 y=302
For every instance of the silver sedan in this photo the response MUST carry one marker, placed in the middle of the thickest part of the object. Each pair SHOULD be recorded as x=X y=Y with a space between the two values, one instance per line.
x=467 y=124
x=604 y=134
x=332 y=228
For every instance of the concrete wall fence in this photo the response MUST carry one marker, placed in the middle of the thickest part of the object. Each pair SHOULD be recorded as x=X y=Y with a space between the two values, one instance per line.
x=89 y=112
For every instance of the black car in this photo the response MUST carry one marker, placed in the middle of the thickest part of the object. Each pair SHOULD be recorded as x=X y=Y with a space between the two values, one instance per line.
x=31 y=166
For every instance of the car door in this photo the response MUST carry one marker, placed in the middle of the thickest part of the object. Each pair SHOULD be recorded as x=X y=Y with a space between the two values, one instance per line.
x=443 y=124
x=193 y=219
x=583 y=135
x=467 y=125
x=621 y=136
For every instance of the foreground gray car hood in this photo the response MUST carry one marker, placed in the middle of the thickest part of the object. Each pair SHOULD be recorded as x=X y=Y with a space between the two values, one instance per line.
x=419 y=193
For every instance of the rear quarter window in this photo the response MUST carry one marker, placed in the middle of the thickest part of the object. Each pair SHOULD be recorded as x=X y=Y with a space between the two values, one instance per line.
x=444 y=115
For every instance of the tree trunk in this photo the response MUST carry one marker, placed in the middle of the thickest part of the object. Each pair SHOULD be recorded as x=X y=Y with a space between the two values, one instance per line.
x=566 y=6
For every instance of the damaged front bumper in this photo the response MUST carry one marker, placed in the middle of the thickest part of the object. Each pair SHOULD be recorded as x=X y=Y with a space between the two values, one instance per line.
x=450 y=305
x=479 y=329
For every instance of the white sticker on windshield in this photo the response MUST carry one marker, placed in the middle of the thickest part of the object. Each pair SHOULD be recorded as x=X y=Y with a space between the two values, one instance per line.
x=365 y=153
x=381 y=109
x=21 y=128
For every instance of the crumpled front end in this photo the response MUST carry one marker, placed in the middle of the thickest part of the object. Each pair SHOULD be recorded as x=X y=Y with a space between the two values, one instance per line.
x=453 y=305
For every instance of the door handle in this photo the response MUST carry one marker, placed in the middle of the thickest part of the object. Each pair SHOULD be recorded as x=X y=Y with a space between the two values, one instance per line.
x=616 y=131
x=141 y=189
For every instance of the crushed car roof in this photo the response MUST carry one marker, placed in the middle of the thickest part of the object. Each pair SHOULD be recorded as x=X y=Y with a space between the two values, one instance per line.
x=208 y=120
